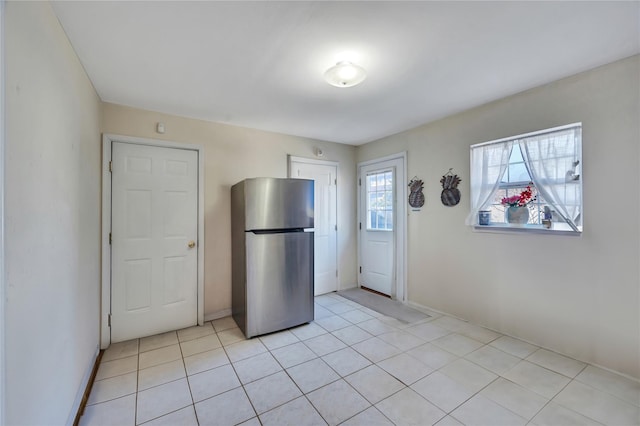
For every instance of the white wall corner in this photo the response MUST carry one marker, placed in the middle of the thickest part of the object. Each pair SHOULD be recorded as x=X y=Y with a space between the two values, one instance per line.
x=217 y=315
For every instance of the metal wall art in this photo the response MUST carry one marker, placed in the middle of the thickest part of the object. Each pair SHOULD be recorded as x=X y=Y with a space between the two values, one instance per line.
x=450 y=193
x=416 y=197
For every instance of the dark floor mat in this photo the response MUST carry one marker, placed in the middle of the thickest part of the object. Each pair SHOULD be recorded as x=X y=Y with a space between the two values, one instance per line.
x=386 y=306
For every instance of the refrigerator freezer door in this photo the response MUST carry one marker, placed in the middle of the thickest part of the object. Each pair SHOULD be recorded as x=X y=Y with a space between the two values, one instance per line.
x=279 y=281
x=272 y=203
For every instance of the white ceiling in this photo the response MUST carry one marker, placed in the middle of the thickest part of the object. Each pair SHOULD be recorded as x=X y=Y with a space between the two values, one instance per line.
x=261 y=64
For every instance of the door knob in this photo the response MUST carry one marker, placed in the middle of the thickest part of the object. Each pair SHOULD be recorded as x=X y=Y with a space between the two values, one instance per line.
x=192 y=244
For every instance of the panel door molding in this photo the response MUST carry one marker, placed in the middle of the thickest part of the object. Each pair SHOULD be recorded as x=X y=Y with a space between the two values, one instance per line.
x=154 y=241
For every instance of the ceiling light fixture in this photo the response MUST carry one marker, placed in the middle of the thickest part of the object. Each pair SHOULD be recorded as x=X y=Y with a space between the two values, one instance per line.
x=345 y=74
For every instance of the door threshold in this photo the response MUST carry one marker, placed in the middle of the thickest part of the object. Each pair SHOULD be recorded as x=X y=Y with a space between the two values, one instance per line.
x=375 y=292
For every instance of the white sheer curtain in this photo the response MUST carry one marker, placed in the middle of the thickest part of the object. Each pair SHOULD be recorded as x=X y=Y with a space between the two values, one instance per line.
x=488 y=165
x=551 y=160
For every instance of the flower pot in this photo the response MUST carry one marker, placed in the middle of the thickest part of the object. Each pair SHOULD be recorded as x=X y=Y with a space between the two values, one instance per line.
x=517 y=215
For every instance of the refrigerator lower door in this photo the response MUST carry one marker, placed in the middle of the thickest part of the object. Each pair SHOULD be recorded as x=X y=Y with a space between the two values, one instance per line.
x=279 y=291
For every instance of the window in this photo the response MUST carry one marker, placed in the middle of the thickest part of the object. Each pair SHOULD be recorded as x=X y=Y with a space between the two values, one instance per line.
x=549 y=161
x=380 y=201
x=515 y=180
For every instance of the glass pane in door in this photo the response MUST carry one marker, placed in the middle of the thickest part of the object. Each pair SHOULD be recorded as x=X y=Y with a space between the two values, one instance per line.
x=380 y=201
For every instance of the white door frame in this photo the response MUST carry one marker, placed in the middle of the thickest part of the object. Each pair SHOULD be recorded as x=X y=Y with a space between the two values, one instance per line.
x=401 y=223
x=107 y=140
x=291 y=159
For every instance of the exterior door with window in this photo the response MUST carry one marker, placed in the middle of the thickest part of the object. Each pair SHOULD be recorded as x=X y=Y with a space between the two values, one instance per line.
x=154 y=215
x=377 y=227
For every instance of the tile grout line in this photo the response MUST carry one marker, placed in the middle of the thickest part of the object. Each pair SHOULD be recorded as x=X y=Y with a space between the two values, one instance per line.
x=292 y=379
x=296 y=384
x=556 y=394
x=161 y=384
x=224 y=348
x=347 y=383
x=135 y=417
x=186 y=376
x=549 y=400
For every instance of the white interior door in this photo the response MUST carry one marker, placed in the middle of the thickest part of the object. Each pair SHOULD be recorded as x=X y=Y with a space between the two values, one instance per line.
x=377 y=227
x=154 y=214
x=325 y=245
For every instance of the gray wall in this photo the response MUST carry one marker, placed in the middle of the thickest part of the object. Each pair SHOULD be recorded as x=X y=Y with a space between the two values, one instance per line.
x=576 y=295
x=52 y=219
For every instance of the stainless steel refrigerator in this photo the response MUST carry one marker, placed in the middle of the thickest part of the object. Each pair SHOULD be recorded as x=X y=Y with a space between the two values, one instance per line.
x=272 y=254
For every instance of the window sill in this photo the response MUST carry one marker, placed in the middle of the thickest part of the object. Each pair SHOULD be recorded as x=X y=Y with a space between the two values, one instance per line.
x=558 y=229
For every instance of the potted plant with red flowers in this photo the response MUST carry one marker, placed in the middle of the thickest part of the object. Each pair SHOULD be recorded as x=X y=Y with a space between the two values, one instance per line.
x=517 y=210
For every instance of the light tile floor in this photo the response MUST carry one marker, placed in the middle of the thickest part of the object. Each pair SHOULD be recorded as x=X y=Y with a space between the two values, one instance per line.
x=352 y=366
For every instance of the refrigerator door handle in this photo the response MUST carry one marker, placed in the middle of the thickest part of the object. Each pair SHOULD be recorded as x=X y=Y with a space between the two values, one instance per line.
x=276 y=231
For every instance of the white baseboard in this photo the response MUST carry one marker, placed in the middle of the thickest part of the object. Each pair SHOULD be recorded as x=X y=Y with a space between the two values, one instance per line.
x=217 y=315
x=427 y=310
x=83 y=388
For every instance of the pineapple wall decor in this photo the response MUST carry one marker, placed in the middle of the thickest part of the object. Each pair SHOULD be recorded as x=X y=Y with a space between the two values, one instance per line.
x=450 y=193
x=416 y=197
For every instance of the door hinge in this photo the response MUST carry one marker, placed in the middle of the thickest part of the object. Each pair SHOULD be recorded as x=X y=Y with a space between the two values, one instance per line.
x=360 y=226
x=109 y=320
x=110 y=166
x=336 y=273
x=359 y=182
x=361 y=269
x=335 y=182
x=335 y=227
x=110 y=238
